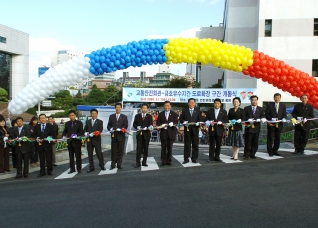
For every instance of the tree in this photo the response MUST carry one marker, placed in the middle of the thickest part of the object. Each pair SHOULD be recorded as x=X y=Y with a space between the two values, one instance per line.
x=217 y=85
x=112 y=94
x=179 y=82
x=96 y=96
x=140 y=84
x=3 y=95
x=63 y=99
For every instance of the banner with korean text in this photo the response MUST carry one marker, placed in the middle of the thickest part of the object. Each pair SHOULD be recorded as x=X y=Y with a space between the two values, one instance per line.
x=178 y=95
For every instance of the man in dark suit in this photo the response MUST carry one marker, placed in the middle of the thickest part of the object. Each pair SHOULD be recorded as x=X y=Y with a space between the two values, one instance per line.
x=45 y=148
x=219 y=115
x=74 y=128
x=22 y=149
x=302 y=112
x=168 y=133
x=56 y=132
x=254 y=115
x=92 y=126
x=192 y=114
x=275 y=111
x=142 y=122
x=116 y=123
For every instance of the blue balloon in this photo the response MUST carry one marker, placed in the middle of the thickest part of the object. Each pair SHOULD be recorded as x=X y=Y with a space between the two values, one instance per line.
x=121 y=67
x=108 y=56
x=117 y=56
x=143 y=58
x=156 y=52
x=137 y=60
x=114 y=69
x=158 y=46
x=127 y=59
x=127 y=65
x=96 y=65
x=113 y=52
x=155 y=62
x=133 y=64
x=98 y=52
x=107 y=61
x=113 y=58
x=87 y=55
x=147 y=47
x=104 y=66
x=122 y=61
x=148 y=59
x=100 y=70
x=164 y=58
x=144 y=62
x=159 y=58
x=92 y=70
x=93 y=53
x=97 y=58
x=92 y=62
x=161 y=62
x=150 y=63
x=139 y=65
x=128 y=52
x=134 y=50
x=141 y=47
x=102 y=59
x=153 y=58
x=161 y=52
x=107 y=50
x=145 y=52
x=123 y=54
x=108 y=70
x=139 y=53
x=118 y=49
x=117 y=63
x=132 y=57
x=130 y=46
x=152 y=46
x=95 y=73
x=111 y=65
x=150 y=52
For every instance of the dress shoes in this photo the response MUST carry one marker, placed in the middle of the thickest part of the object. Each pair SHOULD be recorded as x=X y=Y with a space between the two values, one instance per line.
x=8 y=171
x=145 y=165
x=295 y=152
x=276 y=154
x=302 y=152
x=162 y=164
x=79 y=171
x=54 y=165
x=18 y=176
x=90 y=170
x=112 y=167
x=270 y=155
x=232 y=158
x=71 y=172
x=102 y=168
x=50 y=174
x=169 y=163
x=41 y=174
x=246 y=158
x=185 y=162
x=119 y=167
x=253 y=157
x=194 y=161
x=137 y=165
x=26 y=175
x=218 y=159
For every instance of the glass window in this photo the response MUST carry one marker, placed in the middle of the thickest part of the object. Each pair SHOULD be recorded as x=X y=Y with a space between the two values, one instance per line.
x=316 y=27
x=6 y=73
x=268 y=28
x=90 y=83
x=61 y=52
x=3 y=40
x=315 y=67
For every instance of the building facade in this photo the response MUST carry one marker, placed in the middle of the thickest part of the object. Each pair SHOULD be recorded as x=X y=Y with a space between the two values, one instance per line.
x=61 y=56
x=14 y=60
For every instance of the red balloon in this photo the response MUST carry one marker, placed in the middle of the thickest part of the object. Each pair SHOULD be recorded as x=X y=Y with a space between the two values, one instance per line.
x=287 y=84
x=283 y=78
x=278 y=71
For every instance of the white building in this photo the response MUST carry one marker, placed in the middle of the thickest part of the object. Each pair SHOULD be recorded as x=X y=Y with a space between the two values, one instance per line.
x=164 y=68
x=286 y=30
x=14 y=60
x=61 y=56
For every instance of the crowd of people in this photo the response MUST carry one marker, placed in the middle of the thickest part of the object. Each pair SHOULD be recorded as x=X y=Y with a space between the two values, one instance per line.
x=37 y=141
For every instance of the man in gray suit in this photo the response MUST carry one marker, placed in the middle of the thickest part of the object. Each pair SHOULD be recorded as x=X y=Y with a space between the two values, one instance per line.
x=91 y=126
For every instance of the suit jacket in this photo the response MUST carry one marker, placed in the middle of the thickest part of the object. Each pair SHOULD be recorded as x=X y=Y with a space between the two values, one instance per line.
x=98 y=126
x=270 y=113
x=76 y=129
x=56 y=129
x=138 y=121
x=170 y=132
x=122 y=122
x=3 y=134
x=222 y=116
x=239 y=114
x=259 y=114
x=25 y=146
x=196 y=117
x=48 y=131
x=305 y=111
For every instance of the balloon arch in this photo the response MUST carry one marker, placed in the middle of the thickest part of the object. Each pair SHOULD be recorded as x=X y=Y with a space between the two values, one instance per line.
x=158 y=51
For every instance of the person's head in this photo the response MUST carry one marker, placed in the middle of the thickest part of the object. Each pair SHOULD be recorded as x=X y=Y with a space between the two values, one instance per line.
x=167 y=106
x=19 y=121
x=144 y=108
x=254 y=100
x=191 y=103
x=34 y=120
x=304 y=98
x=72 y=115
x=217 y=103
x=50 y=119
x=277 y=97
x=236 y=101
x=118 y=107
x=2 y=121
x=42 y=118
x=62 y=121
x=14 y=123
x=94 y=113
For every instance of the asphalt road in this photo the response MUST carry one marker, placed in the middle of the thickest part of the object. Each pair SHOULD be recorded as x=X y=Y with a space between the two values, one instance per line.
x=255 y=193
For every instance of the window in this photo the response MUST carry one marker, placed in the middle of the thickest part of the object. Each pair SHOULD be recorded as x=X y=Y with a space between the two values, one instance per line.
x=315 y=67
x=90 y=83
x=3 y=40
x=107 y=83
x=316 y=27
x=61 y=52
x=268 y=28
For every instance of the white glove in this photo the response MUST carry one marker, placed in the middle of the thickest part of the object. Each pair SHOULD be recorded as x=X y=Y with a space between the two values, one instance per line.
x=38 y=138
x=74 y=136
x=263 y=120
x=138 y=128
x=64 y=137
x=219 y=122
x=19 y=139
x=197 y=124
x=86 y=133
x=111 y=130
x=5 y=138
x=145 y=128
x=118 y=129
x=150 y=127
x=284 y=120
x=185 y=122
x=250 y=120
x=171 y=124
x=274 y=119
x=258 y=120
x=91 y=134
x=305 y=120
x=299 y=118
x=239 y=121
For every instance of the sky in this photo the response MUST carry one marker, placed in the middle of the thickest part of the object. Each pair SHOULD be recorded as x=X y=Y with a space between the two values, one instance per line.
x=91 y=25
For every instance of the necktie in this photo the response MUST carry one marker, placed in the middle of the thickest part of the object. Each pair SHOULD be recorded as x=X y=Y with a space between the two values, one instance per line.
x=277 y=105
x=191 y=112
x=254 y=110
x=20 y=128
x=43 y=128
x=167 y=116
x=72 y=124
x=93 y=121
x=216 y=113
x=117 y=117
x=143 y=116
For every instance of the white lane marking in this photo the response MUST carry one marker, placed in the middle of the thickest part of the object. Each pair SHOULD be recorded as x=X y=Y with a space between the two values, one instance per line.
x=108 y=171
x=152 y=164
x=226 y=159
x=71 y=175
x=180 y=159
x=264 y=156
x=306 y=152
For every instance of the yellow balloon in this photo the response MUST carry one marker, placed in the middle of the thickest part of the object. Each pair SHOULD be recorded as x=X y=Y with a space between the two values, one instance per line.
x=165 y=47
